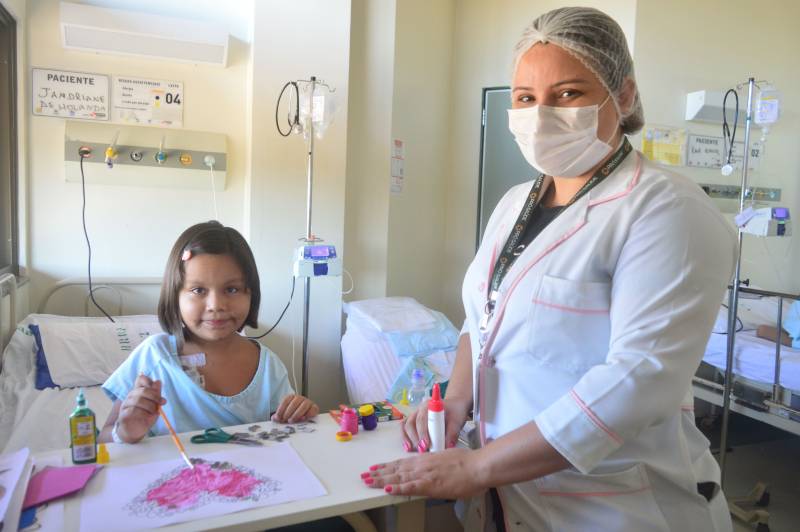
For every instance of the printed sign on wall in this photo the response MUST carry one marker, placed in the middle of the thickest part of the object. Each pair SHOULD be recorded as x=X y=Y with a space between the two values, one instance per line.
x=708 y=151
x=664 y=144
x=398 y=166
x=148 y=102
x=70 y=94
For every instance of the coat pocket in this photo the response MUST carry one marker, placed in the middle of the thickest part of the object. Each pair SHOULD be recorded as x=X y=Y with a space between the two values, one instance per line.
x=620 y=501
x=569 y=323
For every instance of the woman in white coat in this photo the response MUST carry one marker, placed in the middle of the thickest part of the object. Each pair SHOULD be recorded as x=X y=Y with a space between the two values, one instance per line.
x=588 y=308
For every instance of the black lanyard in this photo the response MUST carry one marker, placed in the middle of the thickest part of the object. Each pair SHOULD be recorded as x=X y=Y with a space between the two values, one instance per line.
x=508 y=255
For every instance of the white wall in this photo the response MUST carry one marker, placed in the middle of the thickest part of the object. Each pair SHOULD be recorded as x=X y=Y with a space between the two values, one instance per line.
x=400 y=75
x=295 y=40
x=722 y=43
x=372 y=42
x=484 y=38
x=421 y=112
x=131 y=228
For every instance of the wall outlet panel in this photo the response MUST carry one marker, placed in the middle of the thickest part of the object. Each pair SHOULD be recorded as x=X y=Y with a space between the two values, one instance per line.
x=733 y=192
x=184 y=166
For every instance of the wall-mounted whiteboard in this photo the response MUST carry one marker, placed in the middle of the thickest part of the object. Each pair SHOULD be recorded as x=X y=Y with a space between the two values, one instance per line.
x=70 y=94
x=707 y=151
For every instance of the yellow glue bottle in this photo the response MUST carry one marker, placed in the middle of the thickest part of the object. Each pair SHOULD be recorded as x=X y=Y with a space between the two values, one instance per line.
x=83 y=433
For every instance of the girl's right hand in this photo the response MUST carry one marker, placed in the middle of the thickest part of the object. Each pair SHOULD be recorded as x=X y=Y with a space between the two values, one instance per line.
x=139 y=411
x=415 y=427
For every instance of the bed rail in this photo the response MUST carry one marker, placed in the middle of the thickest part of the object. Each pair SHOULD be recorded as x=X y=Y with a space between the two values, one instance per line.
x=98 y=283
x=8 y=285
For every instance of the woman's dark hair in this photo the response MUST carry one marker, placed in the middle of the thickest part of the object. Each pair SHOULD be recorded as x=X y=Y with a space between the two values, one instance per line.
x=205 y=238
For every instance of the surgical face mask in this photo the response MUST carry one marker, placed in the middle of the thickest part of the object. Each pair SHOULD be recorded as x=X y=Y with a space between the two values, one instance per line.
x=559 y=141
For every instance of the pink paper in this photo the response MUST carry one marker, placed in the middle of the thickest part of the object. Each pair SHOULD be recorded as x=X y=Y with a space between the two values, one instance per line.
x=54 y=482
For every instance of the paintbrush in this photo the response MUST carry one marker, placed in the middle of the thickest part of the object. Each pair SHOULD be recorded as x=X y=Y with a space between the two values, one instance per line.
x=178 y=443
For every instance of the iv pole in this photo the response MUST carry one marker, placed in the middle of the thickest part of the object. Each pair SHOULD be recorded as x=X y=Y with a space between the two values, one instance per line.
x=733 y=299
x=307 y=127
x=309 y=235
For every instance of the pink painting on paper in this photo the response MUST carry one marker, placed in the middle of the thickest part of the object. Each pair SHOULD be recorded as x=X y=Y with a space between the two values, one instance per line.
x=183 y=489
x=234 y=479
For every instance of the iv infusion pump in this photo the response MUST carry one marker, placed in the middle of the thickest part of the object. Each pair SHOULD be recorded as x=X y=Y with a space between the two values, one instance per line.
x=316 y=260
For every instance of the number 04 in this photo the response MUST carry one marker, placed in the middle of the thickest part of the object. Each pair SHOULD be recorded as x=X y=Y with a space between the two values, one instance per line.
x=173 y=98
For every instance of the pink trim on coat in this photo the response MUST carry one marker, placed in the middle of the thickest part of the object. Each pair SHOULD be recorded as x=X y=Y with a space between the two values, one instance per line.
x=596 y=420
x=571 y=309
x=627 y=190
x=592 y=493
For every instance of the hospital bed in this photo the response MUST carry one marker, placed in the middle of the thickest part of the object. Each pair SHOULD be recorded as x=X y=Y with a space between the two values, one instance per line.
x=37 y=418
x=766 y=374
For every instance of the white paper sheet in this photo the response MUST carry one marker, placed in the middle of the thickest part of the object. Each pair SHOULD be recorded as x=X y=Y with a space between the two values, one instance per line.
x=162 y=493
x=15 y=470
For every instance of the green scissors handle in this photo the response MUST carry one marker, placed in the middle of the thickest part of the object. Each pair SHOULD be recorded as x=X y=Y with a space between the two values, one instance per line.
x=212 y=436
x=216 y=435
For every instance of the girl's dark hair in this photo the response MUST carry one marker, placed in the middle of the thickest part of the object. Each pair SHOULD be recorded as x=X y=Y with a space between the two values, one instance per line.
x=205 y=238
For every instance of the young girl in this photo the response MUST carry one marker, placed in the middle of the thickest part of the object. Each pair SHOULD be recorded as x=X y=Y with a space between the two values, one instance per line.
x=202 y=372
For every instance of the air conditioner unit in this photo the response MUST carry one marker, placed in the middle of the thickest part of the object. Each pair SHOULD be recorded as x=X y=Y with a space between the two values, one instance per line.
x=115 y=31
x=706 y=106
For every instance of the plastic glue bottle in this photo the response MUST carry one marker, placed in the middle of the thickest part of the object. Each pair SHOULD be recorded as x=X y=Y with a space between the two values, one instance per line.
x=417 y=393
x=436 y=420
x=83 y=433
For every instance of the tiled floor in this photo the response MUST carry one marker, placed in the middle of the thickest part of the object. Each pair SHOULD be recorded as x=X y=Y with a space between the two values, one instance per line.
x=762 y=453
x=778 y=464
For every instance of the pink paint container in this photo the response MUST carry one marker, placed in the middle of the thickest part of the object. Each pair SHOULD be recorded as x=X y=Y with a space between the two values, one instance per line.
x=349 y=421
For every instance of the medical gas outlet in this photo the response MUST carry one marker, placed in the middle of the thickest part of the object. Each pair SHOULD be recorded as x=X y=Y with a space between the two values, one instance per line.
x=317 y=260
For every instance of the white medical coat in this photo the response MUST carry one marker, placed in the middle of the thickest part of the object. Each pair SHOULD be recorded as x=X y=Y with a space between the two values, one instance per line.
x=599 y=326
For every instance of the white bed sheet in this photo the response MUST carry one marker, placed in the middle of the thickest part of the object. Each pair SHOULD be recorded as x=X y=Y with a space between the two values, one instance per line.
x=370 y=365
x=37 y=419
x=754 y=358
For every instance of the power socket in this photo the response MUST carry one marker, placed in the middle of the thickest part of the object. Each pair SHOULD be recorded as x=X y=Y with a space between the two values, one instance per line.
x=209 y=161
x=84 y=152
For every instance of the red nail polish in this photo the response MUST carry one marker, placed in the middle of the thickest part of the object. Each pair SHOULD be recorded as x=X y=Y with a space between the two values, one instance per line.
x=369 y=480
x=388 y=489
x=451 y=445
x=365 y=475
x=422 y=446
x=373 y=468
x=406 y=446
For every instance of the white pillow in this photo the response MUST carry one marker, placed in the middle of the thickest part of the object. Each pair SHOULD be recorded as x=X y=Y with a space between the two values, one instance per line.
x=86 y=351
x=392 y=314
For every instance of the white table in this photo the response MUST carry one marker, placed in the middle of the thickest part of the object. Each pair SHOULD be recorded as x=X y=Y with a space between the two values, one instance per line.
x=338 y=466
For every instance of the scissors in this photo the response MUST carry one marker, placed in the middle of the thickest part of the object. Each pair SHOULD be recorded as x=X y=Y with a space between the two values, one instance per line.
x=220 y=436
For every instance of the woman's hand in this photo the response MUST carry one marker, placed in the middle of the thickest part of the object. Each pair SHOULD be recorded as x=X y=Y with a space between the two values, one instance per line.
x=415 y=427
x=139 y=410
x=450 y=474
x=295 y=408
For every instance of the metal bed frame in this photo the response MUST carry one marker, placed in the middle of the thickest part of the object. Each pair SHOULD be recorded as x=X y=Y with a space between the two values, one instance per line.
x=98 y=283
